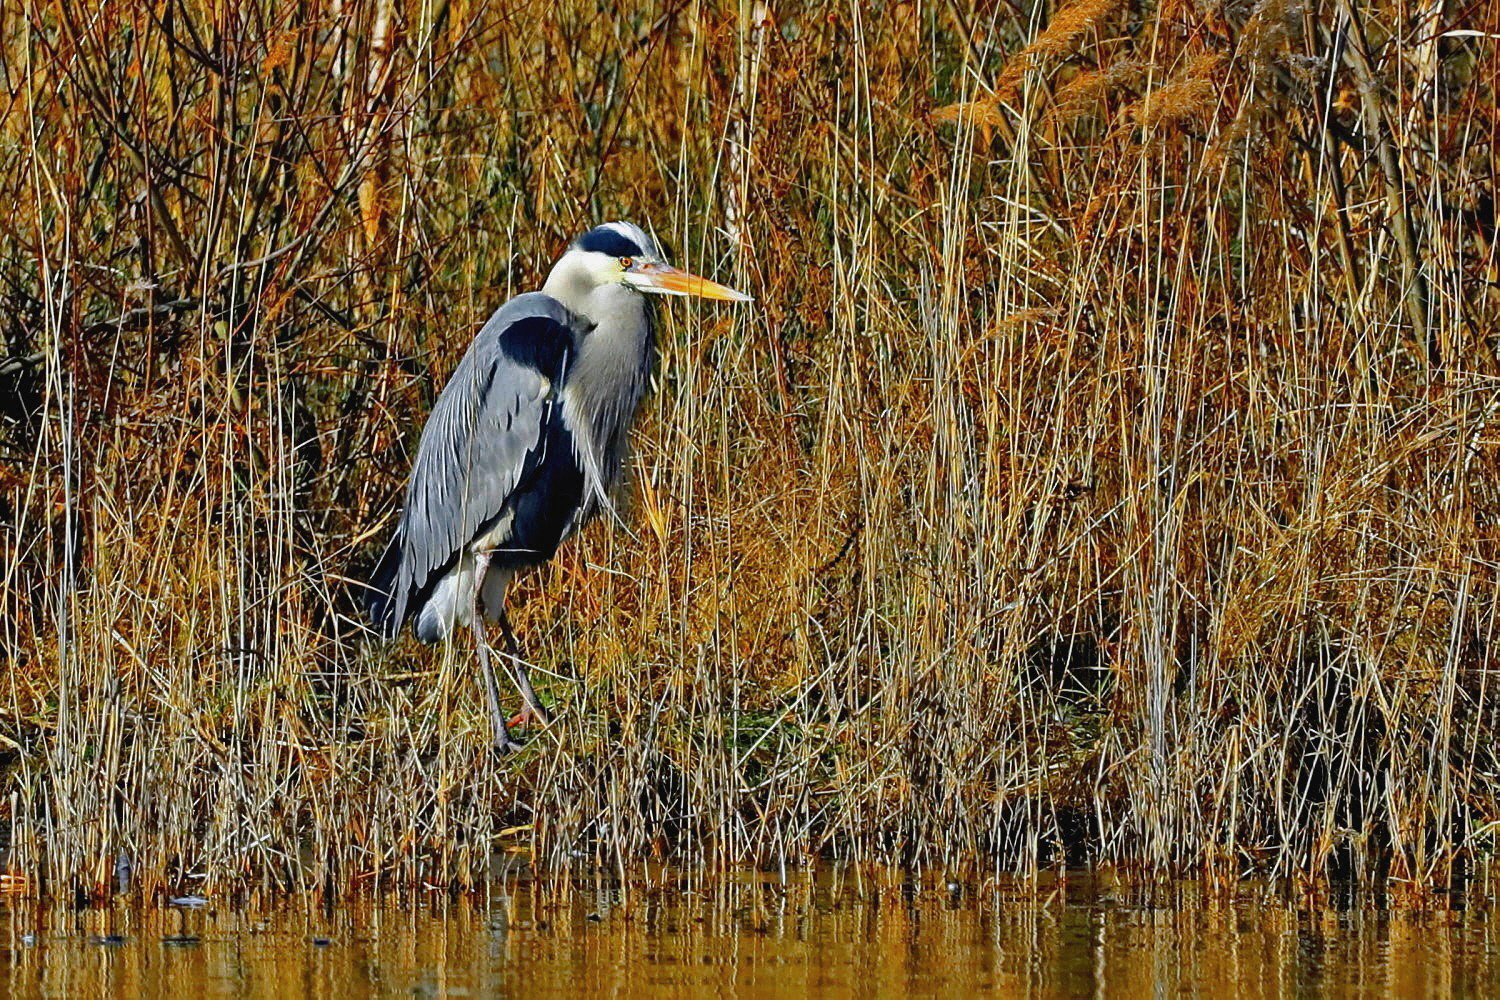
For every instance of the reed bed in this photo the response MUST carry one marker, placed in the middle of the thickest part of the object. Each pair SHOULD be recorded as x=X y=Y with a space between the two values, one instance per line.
x=1108 y=470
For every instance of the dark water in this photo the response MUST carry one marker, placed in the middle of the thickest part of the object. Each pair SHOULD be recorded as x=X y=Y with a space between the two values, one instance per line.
x=836 y=934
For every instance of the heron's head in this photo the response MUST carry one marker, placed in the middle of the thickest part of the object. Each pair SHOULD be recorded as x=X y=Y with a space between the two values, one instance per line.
x=621 y=253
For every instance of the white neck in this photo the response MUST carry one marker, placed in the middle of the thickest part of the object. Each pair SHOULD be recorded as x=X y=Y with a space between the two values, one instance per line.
x=572 y=282
x=614 y=362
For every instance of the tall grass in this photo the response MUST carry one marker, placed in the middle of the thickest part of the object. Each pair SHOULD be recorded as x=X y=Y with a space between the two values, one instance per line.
x=1109 y=468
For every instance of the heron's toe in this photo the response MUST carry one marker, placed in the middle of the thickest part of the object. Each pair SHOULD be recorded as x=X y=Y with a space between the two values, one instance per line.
x=528 y=715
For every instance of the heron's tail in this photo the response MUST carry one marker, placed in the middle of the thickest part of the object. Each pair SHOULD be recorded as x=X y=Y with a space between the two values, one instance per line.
x=380 y=591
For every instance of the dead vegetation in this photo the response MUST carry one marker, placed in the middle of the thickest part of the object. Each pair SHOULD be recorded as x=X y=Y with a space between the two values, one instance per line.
x=1109 y=469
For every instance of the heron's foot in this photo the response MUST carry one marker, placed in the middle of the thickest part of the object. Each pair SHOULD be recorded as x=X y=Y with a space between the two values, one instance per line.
x=507 y=745
x=528 y=715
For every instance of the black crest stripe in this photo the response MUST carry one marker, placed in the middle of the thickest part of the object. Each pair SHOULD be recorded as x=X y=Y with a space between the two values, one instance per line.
x=603 y=239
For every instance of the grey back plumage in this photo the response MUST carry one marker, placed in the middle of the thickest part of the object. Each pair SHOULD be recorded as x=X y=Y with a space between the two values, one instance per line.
x=473 y=450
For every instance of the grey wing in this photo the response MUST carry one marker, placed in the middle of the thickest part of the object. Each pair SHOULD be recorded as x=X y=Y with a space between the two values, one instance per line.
x=487 y=420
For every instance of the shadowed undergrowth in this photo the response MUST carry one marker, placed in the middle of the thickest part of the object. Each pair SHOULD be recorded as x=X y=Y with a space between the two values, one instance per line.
x=1108 y=469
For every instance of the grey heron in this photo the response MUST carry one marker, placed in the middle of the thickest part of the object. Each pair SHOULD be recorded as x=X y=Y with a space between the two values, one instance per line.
x=525 y=442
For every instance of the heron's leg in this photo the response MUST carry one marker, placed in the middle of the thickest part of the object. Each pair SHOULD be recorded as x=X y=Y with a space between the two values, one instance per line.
x=523 y=672
x=498 y=730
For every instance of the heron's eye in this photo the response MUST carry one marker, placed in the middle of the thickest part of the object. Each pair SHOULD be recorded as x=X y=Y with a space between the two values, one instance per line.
x=626 y=263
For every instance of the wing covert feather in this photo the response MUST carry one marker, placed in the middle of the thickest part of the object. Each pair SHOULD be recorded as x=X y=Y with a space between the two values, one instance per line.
x=474 y=448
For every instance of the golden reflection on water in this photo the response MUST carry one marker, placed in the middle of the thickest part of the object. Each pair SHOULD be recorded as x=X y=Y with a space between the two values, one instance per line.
x=834 y=934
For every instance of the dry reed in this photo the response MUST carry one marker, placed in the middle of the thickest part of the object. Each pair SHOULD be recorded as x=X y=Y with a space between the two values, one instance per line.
x=1113 y=479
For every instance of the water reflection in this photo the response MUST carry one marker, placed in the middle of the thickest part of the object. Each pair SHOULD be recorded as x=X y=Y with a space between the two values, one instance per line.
x=840 y=933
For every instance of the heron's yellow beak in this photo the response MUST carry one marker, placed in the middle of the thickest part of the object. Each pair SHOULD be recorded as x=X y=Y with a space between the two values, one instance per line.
x=663 y=279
